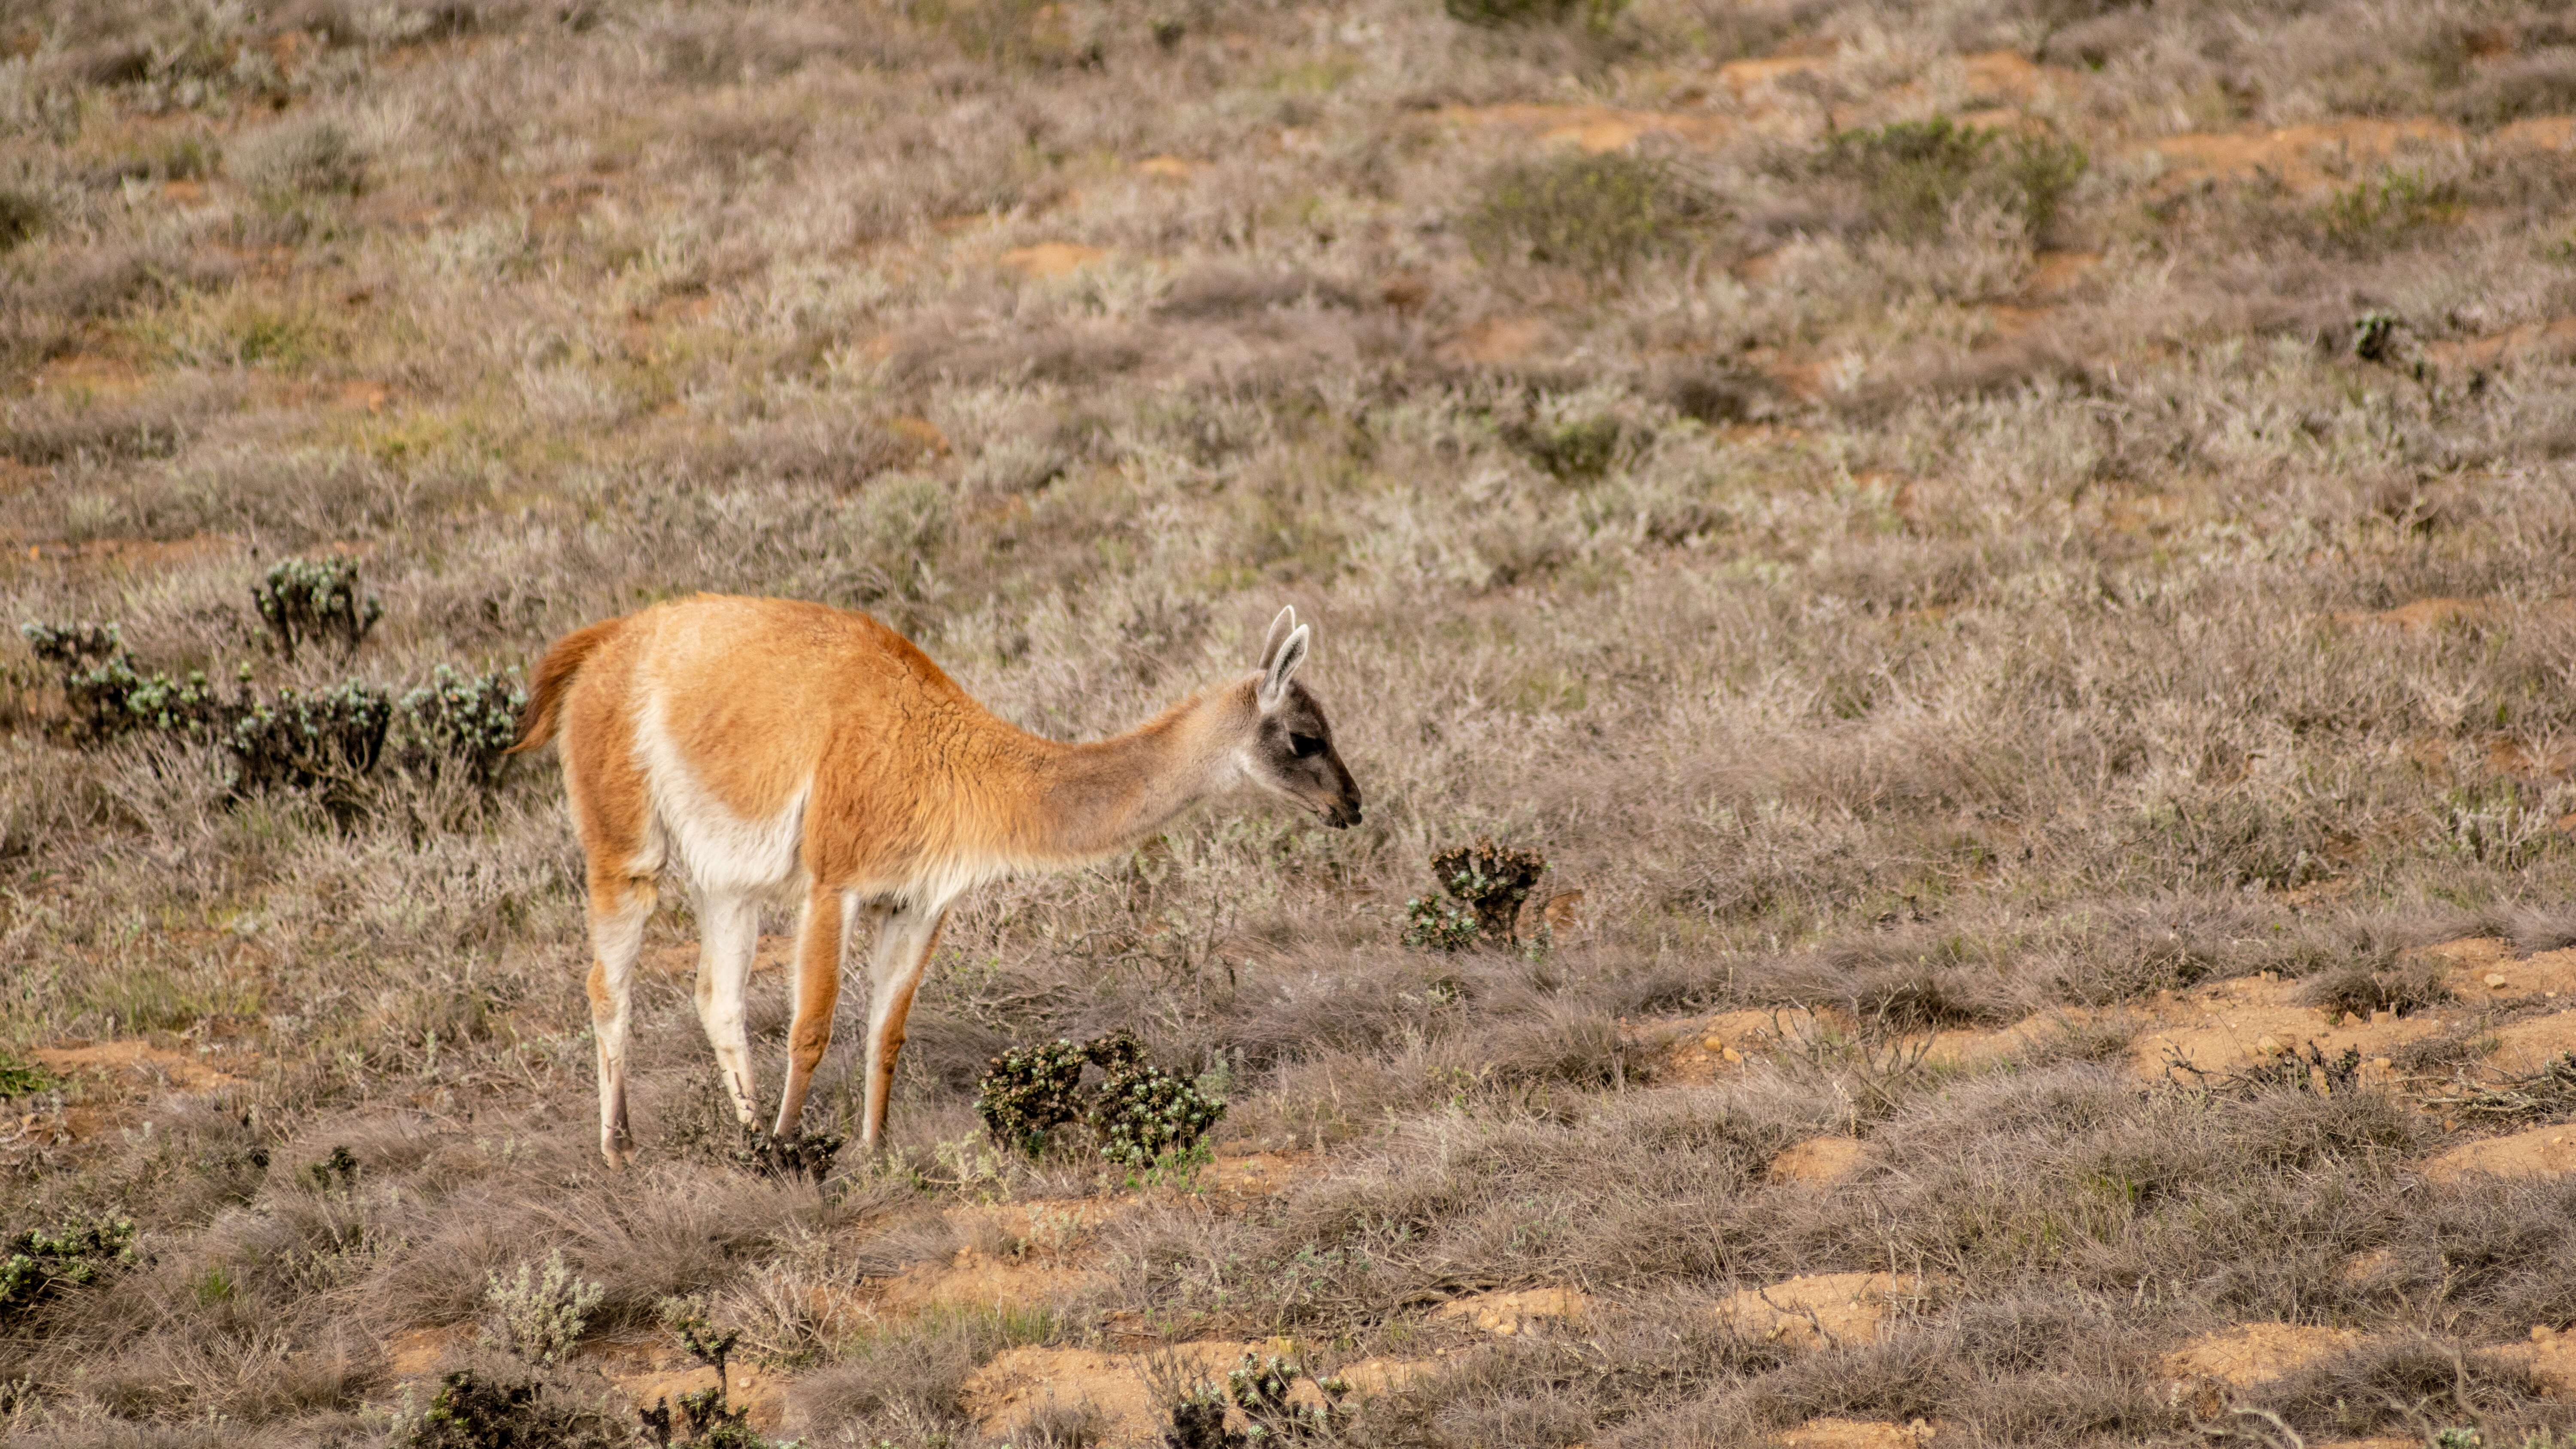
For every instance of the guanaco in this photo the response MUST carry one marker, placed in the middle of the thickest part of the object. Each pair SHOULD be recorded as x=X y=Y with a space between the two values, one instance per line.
x=768 y=750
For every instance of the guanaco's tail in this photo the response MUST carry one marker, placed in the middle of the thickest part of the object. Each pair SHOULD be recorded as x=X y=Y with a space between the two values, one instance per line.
x=554 y=676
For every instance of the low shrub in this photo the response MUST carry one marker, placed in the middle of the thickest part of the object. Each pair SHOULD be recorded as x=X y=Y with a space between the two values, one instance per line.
x=1501 y=14
x=327 y=739
x=539 y=1315
x=40 y=1264
x=300 y=159
x=313 y=599
x=1140 y=1115
x=1597 y=215
x=22 y=215
x=1912 y=173
x=1144 y=1114
x=1258 y=1391
x=1490 y=884
x=483 y=1411
x=2388 y=209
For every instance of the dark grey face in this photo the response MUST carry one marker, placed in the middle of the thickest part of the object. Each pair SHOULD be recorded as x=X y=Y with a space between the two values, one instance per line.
x=1295 y=756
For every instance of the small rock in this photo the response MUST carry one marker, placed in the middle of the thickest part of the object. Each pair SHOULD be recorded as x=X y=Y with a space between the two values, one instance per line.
x=2269 y=1045
x=2383 y=1063
x=2496 y=980
x=1732 y=1055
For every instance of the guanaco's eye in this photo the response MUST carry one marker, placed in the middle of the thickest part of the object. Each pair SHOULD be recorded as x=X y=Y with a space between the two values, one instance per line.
x=1306 y=746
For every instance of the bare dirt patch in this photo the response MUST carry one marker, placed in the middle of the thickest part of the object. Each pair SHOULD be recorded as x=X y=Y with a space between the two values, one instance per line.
x=2308 y=161
x=976 y=1279
x=2539 y=1152
x=1830 y=1433
x=1824 y=1310
x=1020 y=1383
x=2228 y=1026
x=1507 y=1313
x=1048 y=260
x=2254 y=1353
x=1594 y=129
x=131 y=1064
x=1819 y=1161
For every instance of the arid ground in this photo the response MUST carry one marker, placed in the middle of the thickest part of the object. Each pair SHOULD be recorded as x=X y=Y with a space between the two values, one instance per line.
x=2017 y=559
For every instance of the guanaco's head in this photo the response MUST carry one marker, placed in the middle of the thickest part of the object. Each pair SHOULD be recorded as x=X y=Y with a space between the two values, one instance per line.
x=1291 y=749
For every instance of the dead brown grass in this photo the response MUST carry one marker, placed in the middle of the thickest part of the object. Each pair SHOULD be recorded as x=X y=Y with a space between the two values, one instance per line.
x=1886 y=604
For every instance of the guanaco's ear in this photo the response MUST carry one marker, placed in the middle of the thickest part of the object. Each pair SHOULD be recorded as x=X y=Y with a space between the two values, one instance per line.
x=1279 y=628
x=1283 y=663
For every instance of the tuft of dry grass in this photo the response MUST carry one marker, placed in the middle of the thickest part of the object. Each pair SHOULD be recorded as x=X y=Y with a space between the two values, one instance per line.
x=1913 y=538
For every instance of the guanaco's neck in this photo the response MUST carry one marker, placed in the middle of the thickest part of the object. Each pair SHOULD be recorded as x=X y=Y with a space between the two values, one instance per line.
x=1095 y=799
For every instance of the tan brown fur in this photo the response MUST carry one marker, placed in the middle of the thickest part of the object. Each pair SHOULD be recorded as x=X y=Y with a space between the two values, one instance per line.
x=770 y=748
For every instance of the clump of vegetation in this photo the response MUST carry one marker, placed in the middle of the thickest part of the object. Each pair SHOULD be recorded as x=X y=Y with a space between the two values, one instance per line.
x=1432 y=924
x=469 y=721
x=1139 y=1116
x=1577 y=451
x=2548 y=1094
x=1487 y=883
x=1912 y=173
x=22 y=215
x=2364 y=988
x=340 y=1167
x=475 y=1411
x=799 y=1154
x=21 y=1078
x=706 y=1416
x=107 y=697
x=1258 y=1388
x=301 y=159
x=40 y=1264
x=328 y=739
x=1499 y=14
x=539 y=1315
x=1143 y=1115
x=2390 y=208
x=1026 y=1094
x=1597 y=215
x=316 y=599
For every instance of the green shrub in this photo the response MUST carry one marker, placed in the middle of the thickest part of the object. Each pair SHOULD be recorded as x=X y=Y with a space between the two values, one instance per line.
x=1140 y=1115
x=478 y=1412
x=1492 y=881
x=299 y=160
x=1597 y=215
x=21 y=1079
x=38 y=1264
x=1258 y=1389
x=1144 y=1114
x=310 y=599
x=331 y=737
x=22 y=215
x=1572 y=452
x=1025 y=1095
x=1499 y=14
x=539 y=1315
x=468 y=720
x=1436 y=925
x=108 y=697
x=1912 y=173
x=2389 y=208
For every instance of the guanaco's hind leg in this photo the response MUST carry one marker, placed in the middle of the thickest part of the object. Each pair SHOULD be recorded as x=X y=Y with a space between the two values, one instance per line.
x=821 y=940
x=619 y=907
x=728 y=934
x=903 y=949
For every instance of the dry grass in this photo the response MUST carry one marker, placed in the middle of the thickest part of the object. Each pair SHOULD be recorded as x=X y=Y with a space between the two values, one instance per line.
x=1929 y=569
